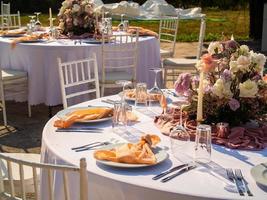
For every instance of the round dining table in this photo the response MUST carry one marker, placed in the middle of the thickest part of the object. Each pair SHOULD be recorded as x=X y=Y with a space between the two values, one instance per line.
x=113 y=183
x=39 y=60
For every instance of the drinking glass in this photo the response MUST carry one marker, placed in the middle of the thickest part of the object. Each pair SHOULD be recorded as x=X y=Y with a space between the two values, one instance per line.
x=37 y=23
x=123 y=83
x=141 y=95
x=155 y=93
x=180 y=144
x=203 y=144
x=119 y=120
x=125 y=25
x=121 y=25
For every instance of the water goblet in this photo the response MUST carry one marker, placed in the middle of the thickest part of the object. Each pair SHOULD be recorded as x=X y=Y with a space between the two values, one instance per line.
x=141 y=95
x=121 y=25
x=37 y=22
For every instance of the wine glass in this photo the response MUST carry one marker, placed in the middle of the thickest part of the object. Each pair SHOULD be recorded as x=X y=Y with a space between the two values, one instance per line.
x=155 y=93
x=121 y=25
x=32 y=22
x=37 y=23
x=123 y=83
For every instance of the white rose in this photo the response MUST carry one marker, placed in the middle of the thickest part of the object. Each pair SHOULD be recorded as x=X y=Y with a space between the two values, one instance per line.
x=233 y=66
x=222 y=89
x=244 y=49
x=248 y=89
x=243 y=63
x=215 y=47
x=258 y=59
x=76 y=8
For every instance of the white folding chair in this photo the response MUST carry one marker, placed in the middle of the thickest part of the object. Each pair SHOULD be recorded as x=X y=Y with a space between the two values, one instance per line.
x=9 y=191
x=13 y=83
x=174 y=66
x=81 y=74
x=10 y=21
x=167 y=34
x=119 y=59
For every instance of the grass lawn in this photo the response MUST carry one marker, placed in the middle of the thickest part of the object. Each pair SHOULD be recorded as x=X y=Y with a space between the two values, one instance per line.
x=219 y=22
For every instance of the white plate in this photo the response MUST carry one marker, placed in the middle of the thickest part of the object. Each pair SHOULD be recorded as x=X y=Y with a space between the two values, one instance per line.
x=160 y=154
x=63 y=114
x=259 y=173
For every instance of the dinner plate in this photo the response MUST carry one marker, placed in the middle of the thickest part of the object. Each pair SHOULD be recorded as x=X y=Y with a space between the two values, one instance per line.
x=259 y=173
x=64 y=113
x=160 y=154
x=13 y=35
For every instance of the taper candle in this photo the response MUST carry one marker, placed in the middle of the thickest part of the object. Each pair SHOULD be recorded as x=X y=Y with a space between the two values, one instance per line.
x=50 y=17
x=200 y=98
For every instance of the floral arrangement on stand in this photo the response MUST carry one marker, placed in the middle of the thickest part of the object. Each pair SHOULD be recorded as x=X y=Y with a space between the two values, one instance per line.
x=231 y=87
x=76 y=17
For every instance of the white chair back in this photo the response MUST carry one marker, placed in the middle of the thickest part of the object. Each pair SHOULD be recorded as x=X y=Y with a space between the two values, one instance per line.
x=3 y=99
x=201 y=37
x=119 y=53
x=49 y=170
x=5 y=8
x=168 y=31
x=80 y=73
x=10 y=21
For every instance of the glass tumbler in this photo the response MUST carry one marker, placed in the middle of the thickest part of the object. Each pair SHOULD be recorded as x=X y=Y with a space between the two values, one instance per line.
x=119 y=120
x=203 y=144
x=141 y=95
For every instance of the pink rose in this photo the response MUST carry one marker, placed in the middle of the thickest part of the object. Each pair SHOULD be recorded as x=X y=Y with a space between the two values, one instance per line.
x=208 y=63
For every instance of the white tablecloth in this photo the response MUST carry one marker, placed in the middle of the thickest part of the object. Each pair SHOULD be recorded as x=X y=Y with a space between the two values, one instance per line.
x=132 y=184
x=40 y=61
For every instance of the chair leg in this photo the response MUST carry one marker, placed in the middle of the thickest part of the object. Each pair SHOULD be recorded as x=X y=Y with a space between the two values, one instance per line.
x=29 y=110
x=102 y=90
x=4 y=112
x=165 y=77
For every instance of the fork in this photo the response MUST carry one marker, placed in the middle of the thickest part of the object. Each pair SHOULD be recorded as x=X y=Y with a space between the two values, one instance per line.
x=232 y=177
x=84 y=146
x=92 y=146
x=240 y=177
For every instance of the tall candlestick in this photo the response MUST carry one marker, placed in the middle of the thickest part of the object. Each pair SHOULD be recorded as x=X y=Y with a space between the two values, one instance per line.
x=200 y=98
x=50 y=17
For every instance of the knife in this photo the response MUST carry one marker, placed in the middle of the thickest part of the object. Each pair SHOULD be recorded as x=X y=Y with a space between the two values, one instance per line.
x=169 y=171
x=93 y=130
x=186 y=169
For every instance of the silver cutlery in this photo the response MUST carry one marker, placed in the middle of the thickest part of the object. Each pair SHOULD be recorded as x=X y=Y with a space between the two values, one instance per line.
x=86 y=145
x=241 y=178
x=92 y=147
x=232 y=177
x=80 y=129
x=169 y=171
x=182 y=171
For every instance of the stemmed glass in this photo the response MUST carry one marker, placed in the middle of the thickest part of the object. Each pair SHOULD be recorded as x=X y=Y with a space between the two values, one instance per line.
x=37 y=23
x=155 y=92
x=121 y=24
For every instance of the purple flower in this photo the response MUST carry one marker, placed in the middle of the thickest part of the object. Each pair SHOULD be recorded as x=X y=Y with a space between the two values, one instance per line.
x=256 y=78
x=231 y=44
x=183 y=83
x=226 y=75
x=234 y=104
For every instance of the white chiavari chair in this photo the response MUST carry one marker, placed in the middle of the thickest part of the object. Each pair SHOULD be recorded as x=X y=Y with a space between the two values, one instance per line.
x=11 y=21
x=8 y=190
x=119 y=59
x=5 y=8
x=174 y=66
x=167 y=34
x=81 y=74
x=13 y=83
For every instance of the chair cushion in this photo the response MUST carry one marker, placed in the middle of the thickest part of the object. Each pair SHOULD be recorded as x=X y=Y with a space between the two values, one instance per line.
x=179 y=62
x=8 y=74
x=166 y=53
x=113 y=76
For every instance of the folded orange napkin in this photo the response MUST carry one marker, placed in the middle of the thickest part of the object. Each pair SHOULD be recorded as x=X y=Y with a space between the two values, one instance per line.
x=83 y=115
x=139 y=153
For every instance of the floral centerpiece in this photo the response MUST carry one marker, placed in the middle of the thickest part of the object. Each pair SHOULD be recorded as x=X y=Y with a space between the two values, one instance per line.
x=234 y=89
x=77 y=17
